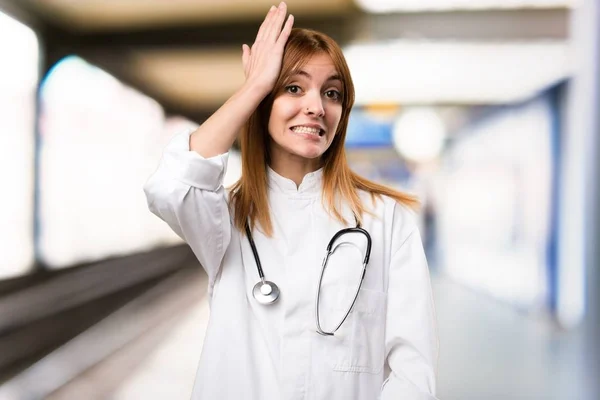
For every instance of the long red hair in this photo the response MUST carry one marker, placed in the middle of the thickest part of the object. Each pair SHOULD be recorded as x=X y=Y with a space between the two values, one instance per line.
x=249 y=195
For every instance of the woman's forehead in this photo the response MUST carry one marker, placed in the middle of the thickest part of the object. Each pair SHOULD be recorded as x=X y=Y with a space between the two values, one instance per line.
x=320 y=59
x=319 y=64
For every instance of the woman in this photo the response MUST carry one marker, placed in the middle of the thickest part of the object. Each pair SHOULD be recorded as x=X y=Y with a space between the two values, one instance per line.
x=282 y=341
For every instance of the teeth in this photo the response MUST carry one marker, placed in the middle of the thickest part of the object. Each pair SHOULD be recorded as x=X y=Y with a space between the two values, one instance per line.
x=305 y=129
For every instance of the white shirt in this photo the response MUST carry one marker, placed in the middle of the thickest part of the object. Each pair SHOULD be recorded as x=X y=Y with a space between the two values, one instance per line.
x=387 y=347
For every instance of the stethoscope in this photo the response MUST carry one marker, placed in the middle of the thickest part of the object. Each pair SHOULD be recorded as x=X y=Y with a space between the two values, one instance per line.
x=267 y=292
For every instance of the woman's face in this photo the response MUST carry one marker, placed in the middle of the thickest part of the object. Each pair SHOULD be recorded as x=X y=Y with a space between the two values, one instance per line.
x=305 y=115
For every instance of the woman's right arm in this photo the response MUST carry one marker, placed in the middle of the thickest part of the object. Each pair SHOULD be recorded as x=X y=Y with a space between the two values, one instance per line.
x=262 y=64
x=186 y=191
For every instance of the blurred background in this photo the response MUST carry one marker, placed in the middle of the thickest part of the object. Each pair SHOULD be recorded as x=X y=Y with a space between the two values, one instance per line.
x=487 y=109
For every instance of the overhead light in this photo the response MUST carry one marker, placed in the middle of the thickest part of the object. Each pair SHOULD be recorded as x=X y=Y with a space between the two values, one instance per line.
x=426 y=72
x=419 y=134
x=387 y=6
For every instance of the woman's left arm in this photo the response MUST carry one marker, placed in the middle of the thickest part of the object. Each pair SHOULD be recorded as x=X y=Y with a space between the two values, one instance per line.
x=411 y=342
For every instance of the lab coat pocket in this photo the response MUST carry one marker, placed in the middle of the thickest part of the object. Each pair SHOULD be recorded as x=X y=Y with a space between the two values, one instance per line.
x=359 y=344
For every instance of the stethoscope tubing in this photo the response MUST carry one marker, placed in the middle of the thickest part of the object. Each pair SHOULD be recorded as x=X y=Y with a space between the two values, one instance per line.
x=274 y=290
x=261 y=274
x=330 y=251
x=357 y=229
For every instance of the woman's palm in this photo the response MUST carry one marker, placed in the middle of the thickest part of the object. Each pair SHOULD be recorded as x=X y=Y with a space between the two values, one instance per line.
x=262 y=62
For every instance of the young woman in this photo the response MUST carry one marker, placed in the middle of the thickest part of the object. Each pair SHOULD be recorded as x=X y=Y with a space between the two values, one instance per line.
x=318 y=283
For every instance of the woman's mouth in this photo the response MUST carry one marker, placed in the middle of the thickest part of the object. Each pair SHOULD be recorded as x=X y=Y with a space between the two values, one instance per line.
x=308 y=130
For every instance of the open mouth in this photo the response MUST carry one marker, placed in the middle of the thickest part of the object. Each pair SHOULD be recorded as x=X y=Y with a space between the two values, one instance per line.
x=308 y=130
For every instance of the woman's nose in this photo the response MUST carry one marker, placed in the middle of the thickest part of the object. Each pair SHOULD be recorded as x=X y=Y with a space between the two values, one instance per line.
x=314 y=106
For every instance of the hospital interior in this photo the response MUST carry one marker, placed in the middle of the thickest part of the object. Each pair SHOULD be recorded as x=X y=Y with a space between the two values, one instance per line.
x=487 y=110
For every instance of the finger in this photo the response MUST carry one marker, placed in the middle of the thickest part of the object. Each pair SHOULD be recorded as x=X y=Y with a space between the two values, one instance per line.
x=275 y=28
x=265 y=24
x=245 y=56
x=287 y=29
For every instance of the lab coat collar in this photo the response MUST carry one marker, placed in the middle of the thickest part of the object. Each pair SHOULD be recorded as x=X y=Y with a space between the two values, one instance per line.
x=312 y=183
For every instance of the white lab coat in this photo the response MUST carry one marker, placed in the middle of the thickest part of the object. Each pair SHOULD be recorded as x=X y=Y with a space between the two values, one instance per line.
x=386 y=349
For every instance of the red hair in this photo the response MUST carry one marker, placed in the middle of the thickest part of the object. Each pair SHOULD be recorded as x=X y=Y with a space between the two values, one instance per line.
x=249 y=195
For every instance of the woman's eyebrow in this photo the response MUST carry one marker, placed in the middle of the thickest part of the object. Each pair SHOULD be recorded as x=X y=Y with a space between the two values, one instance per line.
x=334 y=77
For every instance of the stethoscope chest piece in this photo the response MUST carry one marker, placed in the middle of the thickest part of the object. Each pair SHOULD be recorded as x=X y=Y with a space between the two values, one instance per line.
x=265 y=292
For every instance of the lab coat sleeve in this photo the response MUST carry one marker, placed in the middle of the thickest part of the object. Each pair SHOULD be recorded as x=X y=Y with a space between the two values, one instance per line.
x=411 y=342
x=186 y=191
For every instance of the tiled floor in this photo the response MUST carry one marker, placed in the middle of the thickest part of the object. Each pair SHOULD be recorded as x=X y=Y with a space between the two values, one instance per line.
x=490 y=351
x=168 y=373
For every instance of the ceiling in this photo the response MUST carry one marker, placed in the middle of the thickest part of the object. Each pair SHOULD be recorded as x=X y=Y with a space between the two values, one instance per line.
x=110 y=15
x=186 y=53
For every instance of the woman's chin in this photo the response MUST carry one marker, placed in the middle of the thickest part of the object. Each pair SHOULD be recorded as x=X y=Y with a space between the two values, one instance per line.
x=309 y=153
x=300 y=149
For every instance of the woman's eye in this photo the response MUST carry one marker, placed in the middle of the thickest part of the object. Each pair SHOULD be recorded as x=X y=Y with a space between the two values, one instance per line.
x=333 y=94
x=293 y=89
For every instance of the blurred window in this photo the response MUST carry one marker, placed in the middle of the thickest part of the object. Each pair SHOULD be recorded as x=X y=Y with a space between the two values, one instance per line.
x=18 y=84
x=100 y=141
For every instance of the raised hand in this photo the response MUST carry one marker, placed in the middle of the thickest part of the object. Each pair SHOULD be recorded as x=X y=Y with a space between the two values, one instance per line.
x=262 y=62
